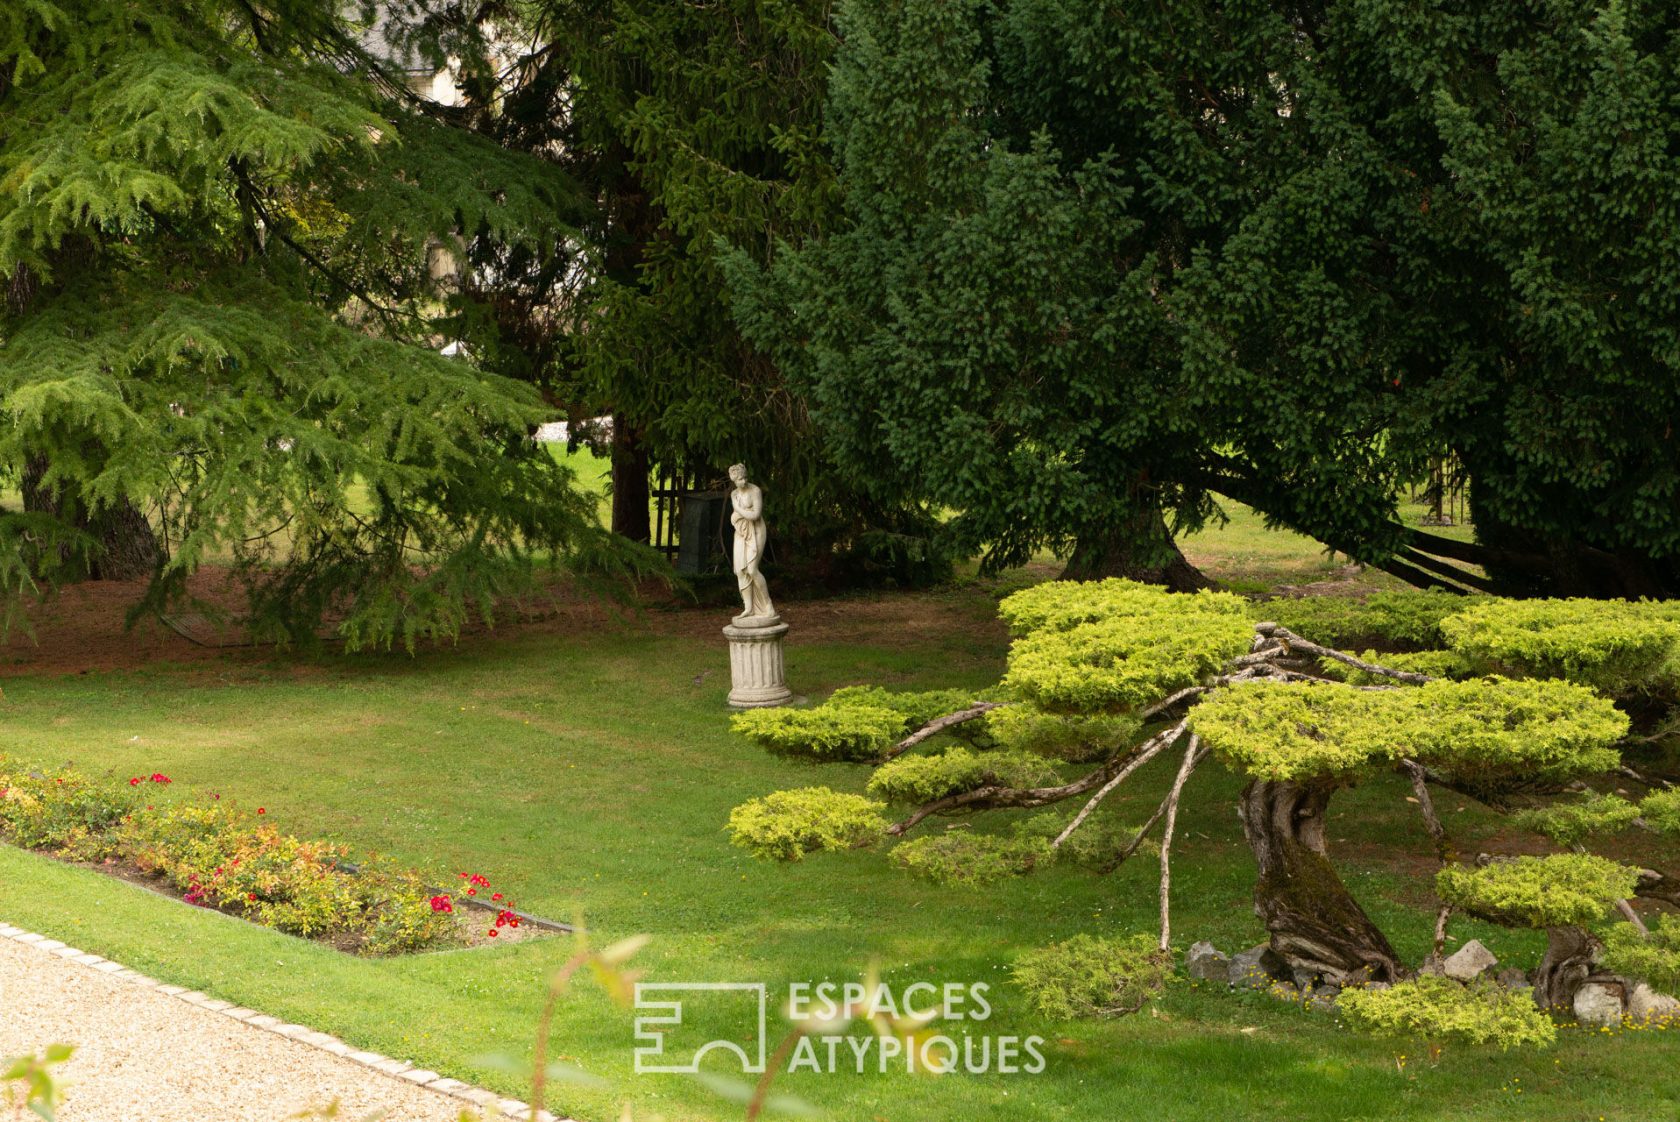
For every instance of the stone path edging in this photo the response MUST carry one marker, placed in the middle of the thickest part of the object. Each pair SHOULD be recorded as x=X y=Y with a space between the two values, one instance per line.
x=507 y=1108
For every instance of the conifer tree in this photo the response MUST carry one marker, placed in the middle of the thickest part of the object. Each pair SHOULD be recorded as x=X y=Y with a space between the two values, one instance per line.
x=214 y=220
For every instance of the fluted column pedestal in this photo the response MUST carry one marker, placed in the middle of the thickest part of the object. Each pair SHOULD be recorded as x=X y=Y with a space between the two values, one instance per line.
x=756 y=676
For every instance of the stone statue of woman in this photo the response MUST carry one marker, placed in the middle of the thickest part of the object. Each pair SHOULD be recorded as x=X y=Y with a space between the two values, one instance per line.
x=747 y=516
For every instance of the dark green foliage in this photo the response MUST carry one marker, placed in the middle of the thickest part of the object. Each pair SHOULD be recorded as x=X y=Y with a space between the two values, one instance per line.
x=219 y=315
x=1103 y=260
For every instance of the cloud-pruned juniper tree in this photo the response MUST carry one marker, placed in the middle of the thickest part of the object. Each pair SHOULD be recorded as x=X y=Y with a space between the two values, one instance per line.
x=1103 y=678
x=1103 y=261
x=219 y=333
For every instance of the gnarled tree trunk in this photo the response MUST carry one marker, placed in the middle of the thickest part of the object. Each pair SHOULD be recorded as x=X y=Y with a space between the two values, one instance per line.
x=1570 y=954
x=1315 y=923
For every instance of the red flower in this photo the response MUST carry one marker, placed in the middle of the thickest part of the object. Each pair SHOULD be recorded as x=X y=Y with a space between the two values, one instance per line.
x=513 y=923
x=250 y=896
x=262 y=810
x=442 y=904
x=135 y=782
x=472 y=892
x=493 y=933
x=495 y=896
x=159 y=777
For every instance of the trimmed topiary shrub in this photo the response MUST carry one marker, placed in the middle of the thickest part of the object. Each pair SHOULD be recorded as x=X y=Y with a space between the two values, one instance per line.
x=1563 y=888
x=1611 y=645
x=786 y=825
x=1406 y=618
x=922 y=778
x=1570 y=823
x=1087 y=976
x=828 y=732
x=966 y=858
x=1656 y=959
x=1434 y=1009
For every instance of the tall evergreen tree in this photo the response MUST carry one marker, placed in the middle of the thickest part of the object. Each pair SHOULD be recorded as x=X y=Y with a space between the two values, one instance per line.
x=214 y=224
x=1103 y=261
x=690 y=127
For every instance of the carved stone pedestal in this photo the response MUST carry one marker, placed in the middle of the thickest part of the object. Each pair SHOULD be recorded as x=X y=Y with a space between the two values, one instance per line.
x=756 y=676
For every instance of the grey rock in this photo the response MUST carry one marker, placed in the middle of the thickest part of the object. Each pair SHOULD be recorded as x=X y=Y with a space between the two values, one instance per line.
x=1646 y=1004
x=1304 y=980
x=1205 y=963
x=1257 y=968
x=1469 y=962
x=1512 y=978
x=1598 y=1005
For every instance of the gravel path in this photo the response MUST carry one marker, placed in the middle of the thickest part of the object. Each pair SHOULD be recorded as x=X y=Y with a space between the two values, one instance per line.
x=147 y=1055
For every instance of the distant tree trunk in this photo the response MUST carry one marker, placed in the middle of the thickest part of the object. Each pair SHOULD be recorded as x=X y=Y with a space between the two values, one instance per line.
x=1139 y=548
x=1316 y=925
x=127 y=547
x=630 y=491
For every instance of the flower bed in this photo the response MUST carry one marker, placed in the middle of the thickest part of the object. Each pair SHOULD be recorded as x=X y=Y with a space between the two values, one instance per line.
x=215 y=855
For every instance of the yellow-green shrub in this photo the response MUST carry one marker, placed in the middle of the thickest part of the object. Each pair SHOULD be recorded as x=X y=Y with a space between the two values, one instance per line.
x=1661 y=810
x=1551 y=891
x=1436 y=1009
x=1059 y=605
x=920 y=778
x=1570 y=823
x=786 y=825
x=1087 y=976
x=1612 y=645
x=966 y=858
x=1065 y=736
x=828 y=732
x=1655 y=959
x=1124 y=662
x=1409 y=618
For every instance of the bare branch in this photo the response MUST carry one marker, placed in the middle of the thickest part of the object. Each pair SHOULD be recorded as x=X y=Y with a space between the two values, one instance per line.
x=1159 y=707
x=940 y=724
x=1193 y=754
x=992 y=796
x=1295 y=642
x=1137 y=761
x=1426 y=806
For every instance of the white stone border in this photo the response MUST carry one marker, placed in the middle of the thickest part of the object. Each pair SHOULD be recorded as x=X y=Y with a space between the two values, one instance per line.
x=384 y=1065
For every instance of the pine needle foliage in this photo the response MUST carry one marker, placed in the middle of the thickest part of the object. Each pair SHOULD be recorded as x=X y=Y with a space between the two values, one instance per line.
x=214 y=224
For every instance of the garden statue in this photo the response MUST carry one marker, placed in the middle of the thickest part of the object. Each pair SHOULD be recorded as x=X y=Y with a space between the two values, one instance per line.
x=757 y=678
x=746 y=501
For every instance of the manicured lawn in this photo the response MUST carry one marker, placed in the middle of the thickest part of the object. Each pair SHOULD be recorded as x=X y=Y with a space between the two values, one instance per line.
x=589 y=773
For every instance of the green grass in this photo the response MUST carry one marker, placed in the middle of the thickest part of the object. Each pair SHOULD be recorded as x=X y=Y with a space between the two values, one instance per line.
x=1248 y=557
x=591 y=774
